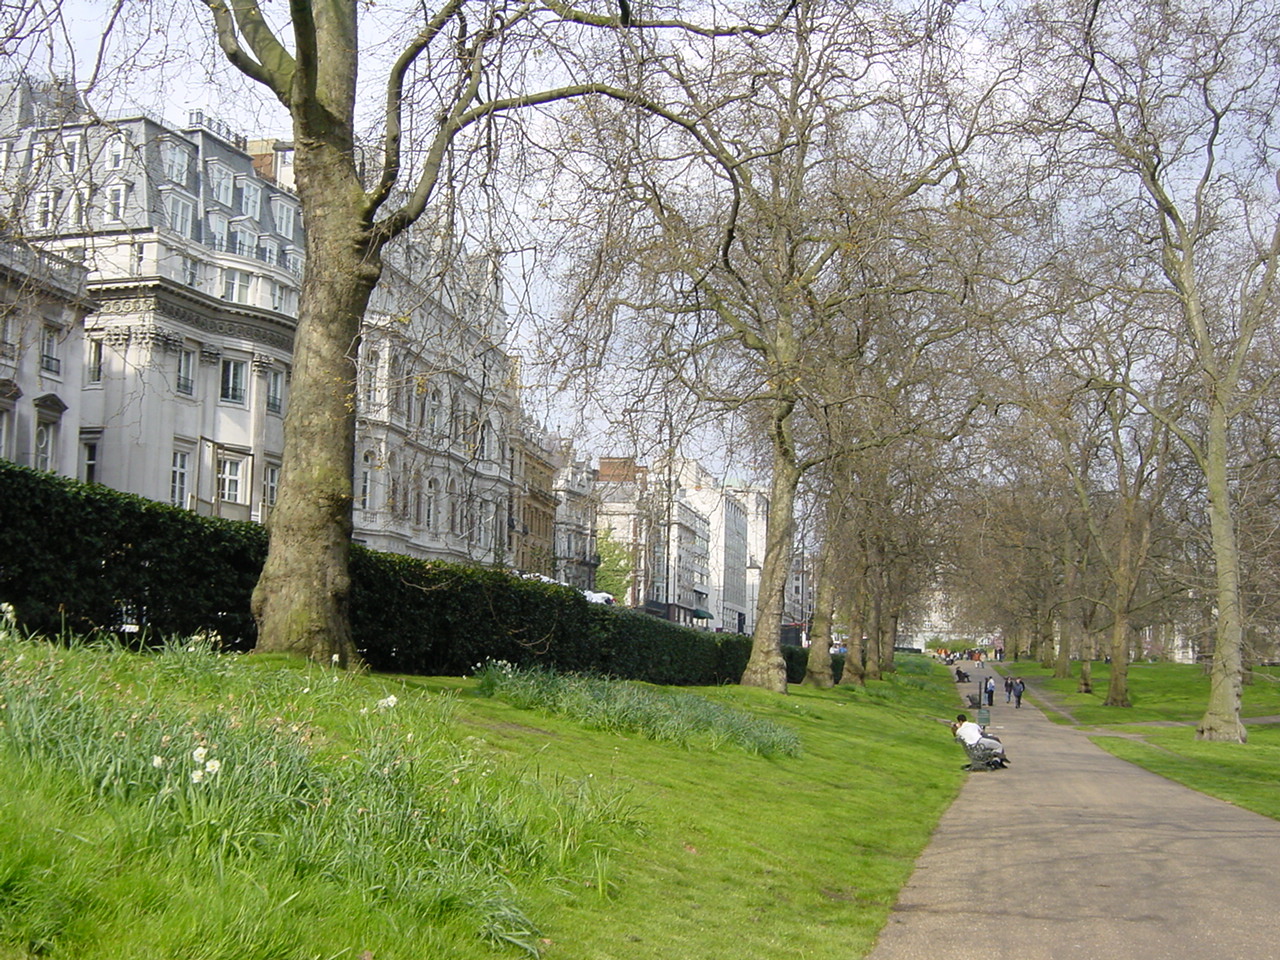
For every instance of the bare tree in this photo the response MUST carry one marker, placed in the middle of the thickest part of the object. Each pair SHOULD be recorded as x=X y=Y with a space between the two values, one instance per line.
x=454 y=73
x=1167 y=115
x=757 y=269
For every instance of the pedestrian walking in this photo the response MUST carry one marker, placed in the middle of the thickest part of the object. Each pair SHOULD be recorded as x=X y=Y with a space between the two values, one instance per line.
x=991 y=691
x=1019 y=688
x=1008 y=689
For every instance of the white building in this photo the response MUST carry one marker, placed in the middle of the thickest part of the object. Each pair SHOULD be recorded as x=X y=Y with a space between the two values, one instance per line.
x=577 y=556
x=436 y=411
x=728 y=554
x=755 y=507
x=42 y=303
x=195 y=262
x=193 y=243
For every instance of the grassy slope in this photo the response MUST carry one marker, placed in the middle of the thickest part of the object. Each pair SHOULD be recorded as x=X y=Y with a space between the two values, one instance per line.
x=716 y=854
x=1158 y=733
x=745 y=857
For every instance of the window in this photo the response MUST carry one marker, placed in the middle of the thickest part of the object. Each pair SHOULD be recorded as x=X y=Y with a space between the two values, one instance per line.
x=270 y=252
x=75 y=209
x=46 y=209
x=275 y=390
x=186 y=382
x=90 y=453
x=429 y=512
x=178 y=161
x=95 y=361
x=251 y=200
x=284 y=215
x=369 y=394
x=270 y=484
x=181 y=213
x=188 y=270
x=115 y=153
x=229 y=471
x=233 y=380
x=366 y=480
x=138 y=258
x=277 y=297
x=178 y=475
x=49 y=360
x=72 y=156
x=235 y=285
x=6 y=430
x=6 y=335
x=117 y=202
x=220 y=183
x=217 y=231
x=244 y=242
x=46 y=445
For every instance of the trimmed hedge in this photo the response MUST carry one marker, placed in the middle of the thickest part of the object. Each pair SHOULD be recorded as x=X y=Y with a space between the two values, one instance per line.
x=82 y=558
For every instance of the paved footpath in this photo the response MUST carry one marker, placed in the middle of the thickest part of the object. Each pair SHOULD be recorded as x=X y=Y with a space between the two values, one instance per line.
x=1072 y=854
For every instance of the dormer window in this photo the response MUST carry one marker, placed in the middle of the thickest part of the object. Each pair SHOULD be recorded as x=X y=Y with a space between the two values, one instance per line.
x=221 y=182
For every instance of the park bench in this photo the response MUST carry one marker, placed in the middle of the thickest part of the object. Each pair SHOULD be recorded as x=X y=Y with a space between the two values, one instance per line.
x=980 y=757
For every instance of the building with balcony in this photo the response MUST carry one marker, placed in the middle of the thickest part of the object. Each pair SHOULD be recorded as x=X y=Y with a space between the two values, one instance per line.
x=195 y=262
x=43 y=301
x=577 y=556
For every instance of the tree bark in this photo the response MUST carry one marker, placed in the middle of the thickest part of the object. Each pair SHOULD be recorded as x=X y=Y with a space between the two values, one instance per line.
x=301 y=599
x=766 y=668
x=818 y=669
x=1221 y=720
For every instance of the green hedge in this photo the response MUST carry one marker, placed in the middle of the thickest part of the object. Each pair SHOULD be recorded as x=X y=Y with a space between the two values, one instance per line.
x=82 y=558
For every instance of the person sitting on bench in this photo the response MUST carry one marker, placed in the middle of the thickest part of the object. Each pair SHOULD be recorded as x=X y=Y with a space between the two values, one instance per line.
x=961 y=676
x=973 y=737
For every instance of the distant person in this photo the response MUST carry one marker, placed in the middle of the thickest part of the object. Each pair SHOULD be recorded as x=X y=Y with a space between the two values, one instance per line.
x=1019 y=688
x=991 y=691
x=972 y=735
x=1008 y=689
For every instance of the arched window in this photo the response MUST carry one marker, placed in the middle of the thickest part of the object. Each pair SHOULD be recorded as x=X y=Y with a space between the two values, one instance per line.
x=369 y=381
x=431 y=509
x=455 y=509
x=365 y=490
x=395 y=491
x=419 y=498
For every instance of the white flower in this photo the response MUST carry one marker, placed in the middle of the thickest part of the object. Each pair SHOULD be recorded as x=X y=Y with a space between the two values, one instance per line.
x=157 y=761
x=335 y=658
x=8 y=614
x=212 y=767
x=199 y=753
x=197 y=776
x=306 y=689
x=388 y=702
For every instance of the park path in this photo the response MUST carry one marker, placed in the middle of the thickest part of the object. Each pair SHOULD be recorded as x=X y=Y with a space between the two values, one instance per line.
x=1072 y=854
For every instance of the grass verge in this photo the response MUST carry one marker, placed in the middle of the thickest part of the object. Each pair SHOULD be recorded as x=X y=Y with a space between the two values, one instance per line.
x=188 y=804
x=1158 y=731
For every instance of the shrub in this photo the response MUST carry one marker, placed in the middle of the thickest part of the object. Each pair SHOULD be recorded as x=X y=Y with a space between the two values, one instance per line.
x=82 y=558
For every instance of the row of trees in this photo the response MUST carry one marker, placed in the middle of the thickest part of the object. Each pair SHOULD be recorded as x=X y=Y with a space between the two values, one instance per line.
x=956 y=265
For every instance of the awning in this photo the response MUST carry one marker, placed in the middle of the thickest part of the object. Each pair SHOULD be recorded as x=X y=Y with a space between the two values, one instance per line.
x=700 y=614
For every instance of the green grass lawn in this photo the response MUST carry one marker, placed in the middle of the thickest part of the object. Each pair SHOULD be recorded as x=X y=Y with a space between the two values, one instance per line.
x=386 y=817
x=1158 y=731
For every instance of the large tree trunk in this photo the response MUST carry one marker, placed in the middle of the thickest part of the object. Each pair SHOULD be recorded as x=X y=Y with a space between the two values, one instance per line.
x=1221 y=720
x=766 y=668
x=855 y=656
x=818 y=669
x=301 y=599
x=875 y=630
x=1118 y=686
